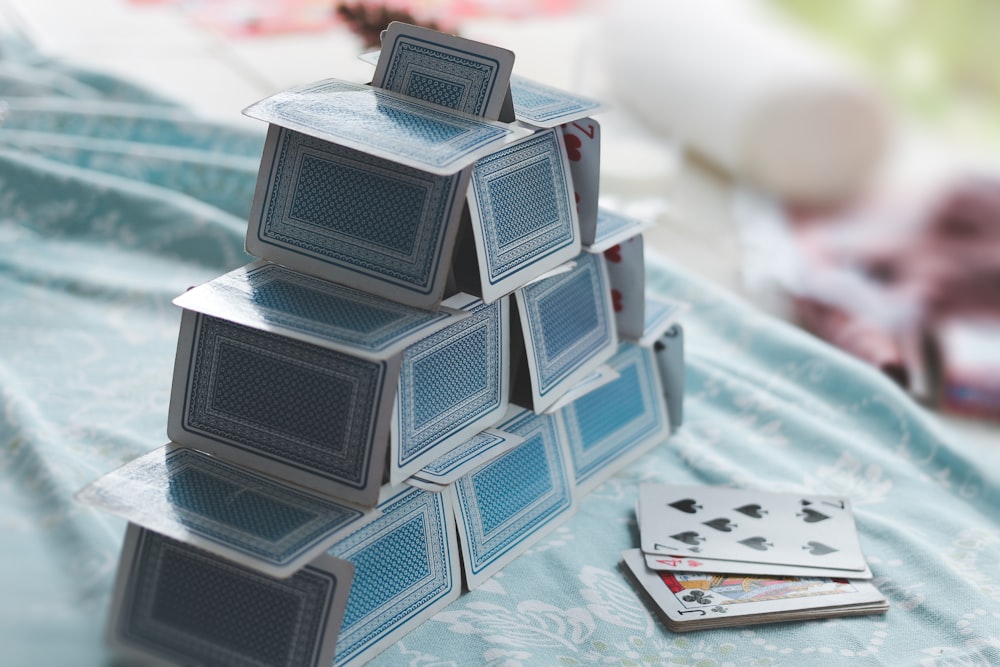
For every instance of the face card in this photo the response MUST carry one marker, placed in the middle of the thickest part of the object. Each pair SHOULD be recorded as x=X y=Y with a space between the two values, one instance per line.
x=544 y=106
x=274 y=299
x=568 y=328
x=303 y=413
x=583 y=148
x=686 y=600
x=352 y=218
x=407 y=569
x=453 y=384
x=175 y=604
x=210 y=504
x=508 y=504
x=688 y=564
x=522 y=213
x=611 y=426
x=450 y=71
x=385 y=124
x=477 y=450
x=626 y=273
x=749 y=525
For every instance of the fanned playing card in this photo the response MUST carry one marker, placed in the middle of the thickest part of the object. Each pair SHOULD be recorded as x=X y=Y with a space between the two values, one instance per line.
x=701 y=601
x=213 y=505
x=749 y=525
x=176 y=604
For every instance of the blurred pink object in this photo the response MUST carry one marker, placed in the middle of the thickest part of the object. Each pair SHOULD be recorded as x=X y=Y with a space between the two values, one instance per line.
x=886 y=275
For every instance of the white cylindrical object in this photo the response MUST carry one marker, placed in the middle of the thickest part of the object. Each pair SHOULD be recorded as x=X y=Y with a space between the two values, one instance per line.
x=739 y=86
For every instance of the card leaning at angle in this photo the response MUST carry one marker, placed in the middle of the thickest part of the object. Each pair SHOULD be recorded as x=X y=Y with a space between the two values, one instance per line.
x=175 y=604
x=506 y=505
x=293 y=376
x=208 y=503
x=450 y=71
x=568 y=330
x=613 y=424
x=522 y=217
x=407 y=568
x=702 y=601
x=750 y=526
x=453 y=384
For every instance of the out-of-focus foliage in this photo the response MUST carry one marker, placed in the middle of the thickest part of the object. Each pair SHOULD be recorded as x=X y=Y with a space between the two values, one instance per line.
x=939 y=60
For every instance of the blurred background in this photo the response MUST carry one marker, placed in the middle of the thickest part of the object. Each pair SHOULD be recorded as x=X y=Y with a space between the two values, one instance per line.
x=837 y=164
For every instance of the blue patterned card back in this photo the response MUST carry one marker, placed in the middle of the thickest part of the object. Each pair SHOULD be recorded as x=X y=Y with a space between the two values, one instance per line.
x=450 y=71
x=613 y=228
x=297 y=411
x=480 y=448
x=361 y=221
x=544 y=106
x=206 y=502
x=181 y=605
x=385 y=124
x=273 y=298
x=523 y=213
x=611 y=425
x=568 y=326
x=452 y=385
x=506 y=505
x=660 y=314
x=407 y=569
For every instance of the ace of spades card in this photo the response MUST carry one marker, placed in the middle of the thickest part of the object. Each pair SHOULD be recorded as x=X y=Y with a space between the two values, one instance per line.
x=748 y=525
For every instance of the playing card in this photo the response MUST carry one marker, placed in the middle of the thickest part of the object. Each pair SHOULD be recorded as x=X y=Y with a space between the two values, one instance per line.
x=688 y=564
x=522 y=213
x=661 y=314
x=627 y=276
x=506 y=505
x=406 y=565
x=613 y=228
x=210 y=504
x=477 y=450
x=453 y=72
x=176 y=604
x=385 y=124
x=700 y=601
x=568 y=330
x=583 y=149
x=453 y=384
x=612 y=425
x=545 y=106
x=749 y=525
x=349 y=217
x=669 y=349
x=274 y=299
x=598 y=377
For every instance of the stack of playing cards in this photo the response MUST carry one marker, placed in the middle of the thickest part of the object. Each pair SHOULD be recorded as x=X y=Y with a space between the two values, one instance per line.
x=716 y=557
x=443 y=344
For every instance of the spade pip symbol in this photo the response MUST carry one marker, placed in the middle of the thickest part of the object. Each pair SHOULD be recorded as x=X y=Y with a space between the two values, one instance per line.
x=688 y=505
x=753 y=510
x=812 y=516
x=722 y=523
x=818 y=548
x=689 y=537
x=758 y=543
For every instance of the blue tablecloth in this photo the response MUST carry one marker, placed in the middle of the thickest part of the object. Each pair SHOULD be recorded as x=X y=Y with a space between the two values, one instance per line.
x=113 y=201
